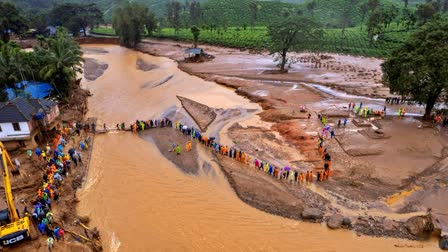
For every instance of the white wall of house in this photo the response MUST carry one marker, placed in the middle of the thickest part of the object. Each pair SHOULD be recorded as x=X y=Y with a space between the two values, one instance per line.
x=8 y=133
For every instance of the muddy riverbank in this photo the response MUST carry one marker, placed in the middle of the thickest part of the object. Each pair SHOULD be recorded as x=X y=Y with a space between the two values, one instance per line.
x=32 y=169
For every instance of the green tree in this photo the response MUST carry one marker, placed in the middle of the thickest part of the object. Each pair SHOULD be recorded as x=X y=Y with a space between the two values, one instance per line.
x=63 y=60
x=129 y=21
x=38 y=20
x=253 y=7
x=425 y=12
x=419 y=68
x=173 y=14
x=311 y=7
x=10 y=21
x=374 y=22
x=75 y=17
x=409 y=18
x=151 y=23
x=195 y=12
x=9 y=64
x=195 y=31
x=348 y=13
x=292 y=32
x=390 y=13
x=373 y=4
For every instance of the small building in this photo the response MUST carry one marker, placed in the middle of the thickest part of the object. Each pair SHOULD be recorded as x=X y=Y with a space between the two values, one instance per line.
x=50 y=31
x=24 y=121
x=192 y=52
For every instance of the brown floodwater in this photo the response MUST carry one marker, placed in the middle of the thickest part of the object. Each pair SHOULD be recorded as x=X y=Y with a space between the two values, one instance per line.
x=141 y=202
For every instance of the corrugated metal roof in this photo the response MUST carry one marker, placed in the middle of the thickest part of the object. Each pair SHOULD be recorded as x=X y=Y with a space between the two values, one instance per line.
x=193 y=51
x=10 y=113
x=22 y=110
x=46 y=105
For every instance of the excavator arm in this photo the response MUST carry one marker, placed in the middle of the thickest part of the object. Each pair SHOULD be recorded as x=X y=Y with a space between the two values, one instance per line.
x=7 y=184
x=18 y=228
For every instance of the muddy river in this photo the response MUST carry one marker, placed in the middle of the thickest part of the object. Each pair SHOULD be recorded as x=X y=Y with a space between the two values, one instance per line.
x=141 y=202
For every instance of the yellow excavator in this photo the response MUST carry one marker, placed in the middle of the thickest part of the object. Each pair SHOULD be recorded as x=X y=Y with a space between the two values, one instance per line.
x=13 y=229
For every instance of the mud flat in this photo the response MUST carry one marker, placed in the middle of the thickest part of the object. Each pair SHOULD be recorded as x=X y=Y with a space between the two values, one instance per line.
x=145 y=66
x=202 y=114
x=154 y=84
x=163 y=138
x=93 y=68
x=353 y=74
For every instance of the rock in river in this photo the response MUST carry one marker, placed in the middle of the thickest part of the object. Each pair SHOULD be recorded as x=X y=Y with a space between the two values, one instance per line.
x=335 y=221
x=419 y=225
x=443 y=242
x=312 y=214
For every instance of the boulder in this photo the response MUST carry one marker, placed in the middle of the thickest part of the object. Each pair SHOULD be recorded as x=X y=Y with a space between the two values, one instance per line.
x=443 y=242
x=335 y=221
x=312 y=214
x=388 y=225
x=347 y=221
x=419 y=225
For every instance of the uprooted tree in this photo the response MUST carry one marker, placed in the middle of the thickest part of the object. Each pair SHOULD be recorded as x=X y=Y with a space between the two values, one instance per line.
x=292 y=32
x=419 y=68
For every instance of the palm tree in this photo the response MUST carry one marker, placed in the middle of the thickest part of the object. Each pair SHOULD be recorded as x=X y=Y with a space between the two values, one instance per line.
x=63 y=59
x=9 y=56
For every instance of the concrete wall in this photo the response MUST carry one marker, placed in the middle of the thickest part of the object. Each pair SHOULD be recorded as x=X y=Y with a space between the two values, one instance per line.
x=8 y=132
x=54 y=113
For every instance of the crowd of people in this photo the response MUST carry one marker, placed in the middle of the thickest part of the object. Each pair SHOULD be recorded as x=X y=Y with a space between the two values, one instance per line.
x=142 y=124
x=286 y=173
x=395 y=100
x=58 y=160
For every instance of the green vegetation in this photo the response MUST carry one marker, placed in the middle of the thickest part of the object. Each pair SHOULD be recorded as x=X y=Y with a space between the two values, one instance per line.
x=292 y=32
x=108 y=31
x=195 y=31
x=130 y=21
x=76 y=16
x=10 y=19
x=356 y=40
x=230 y=13
x=419 y=67
x=56 y=60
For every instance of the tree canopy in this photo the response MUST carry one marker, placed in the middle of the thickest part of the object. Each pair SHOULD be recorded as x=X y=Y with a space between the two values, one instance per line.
x=173 y=14
x=130 y=20
x=419 y=68
x=10 y=21
x=195 y=31
x=55 y=60
x=75 y=17
x=292 y=32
